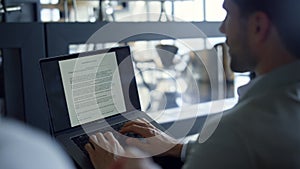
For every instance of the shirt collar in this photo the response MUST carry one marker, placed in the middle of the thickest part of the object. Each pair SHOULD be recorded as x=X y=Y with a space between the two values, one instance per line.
x=280 y=76
x=245 y=88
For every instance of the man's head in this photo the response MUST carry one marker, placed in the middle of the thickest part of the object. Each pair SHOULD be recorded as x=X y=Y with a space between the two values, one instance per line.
x=254 y=26
x=284 y=15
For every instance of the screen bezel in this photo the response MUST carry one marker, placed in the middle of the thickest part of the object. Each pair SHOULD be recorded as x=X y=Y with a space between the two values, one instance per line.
x=58 y=108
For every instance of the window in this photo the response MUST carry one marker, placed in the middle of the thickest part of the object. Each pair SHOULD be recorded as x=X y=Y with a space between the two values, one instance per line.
x=214 y=10
x=49 y=1
x=136 y=11
x=49 y=11
x=48 y=14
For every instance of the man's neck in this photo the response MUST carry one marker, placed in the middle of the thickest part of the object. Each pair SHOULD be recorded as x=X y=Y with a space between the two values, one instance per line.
x=269 y=65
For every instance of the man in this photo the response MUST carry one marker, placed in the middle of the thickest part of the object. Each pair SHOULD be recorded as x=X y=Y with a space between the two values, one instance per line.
x=262 y=130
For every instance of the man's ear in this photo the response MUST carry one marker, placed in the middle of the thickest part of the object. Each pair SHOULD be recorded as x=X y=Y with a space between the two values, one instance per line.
x=260 y=25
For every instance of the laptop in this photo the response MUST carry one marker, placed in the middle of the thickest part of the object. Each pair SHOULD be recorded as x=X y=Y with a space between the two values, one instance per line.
x=90 y=92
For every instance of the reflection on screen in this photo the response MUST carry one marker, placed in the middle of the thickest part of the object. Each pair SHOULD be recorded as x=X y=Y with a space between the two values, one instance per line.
x=92 y=87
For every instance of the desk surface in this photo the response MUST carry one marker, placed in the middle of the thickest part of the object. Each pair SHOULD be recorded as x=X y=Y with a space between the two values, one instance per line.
x=192 y=111
x=189 y=119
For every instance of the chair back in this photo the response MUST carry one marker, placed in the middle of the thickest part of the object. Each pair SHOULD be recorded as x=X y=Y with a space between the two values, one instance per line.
x=166 y=54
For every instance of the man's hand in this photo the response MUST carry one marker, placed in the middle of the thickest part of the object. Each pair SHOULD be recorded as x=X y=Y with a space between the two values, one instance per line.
x=103 y=150
x=157 y=142
x=134 y=162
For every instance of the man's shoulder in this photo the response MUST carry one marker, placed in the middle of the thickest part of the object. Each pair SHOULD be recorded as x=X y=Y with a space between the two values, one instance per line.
x=265 y=109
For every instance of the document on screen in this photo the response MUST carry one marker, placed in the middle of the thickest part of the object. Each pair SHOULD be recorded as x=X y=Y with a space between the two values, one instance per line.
x=92 y=87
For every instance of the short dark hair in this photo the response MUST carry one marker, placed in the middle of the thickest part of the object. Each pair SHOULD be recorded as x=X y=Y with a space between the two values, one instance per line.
x=284 y=14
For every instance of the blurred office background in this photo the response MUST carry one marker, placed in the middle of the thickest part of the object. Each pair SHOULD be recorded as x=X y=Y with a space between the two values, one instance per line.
x=171 y=71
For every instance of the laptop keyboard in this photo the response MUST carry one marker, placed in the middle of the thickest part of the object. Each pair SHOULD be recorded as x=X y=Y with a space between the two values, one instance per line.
x=83 y=139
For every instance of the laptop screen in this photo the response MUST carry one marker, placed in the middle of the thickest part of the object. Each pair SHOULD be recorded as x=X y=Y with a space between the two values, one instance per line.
x=86 y=87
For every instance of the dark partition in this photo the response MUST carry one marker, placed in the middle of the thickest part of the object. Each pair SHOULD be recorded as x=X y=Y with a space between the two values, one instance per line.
x=22 y=46
x=60 y=35
x=21 y=11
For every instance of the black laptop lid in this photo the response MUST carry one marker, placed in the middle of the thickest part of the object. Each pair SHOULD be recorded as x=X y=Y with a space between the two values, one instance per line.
x=89 y=86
